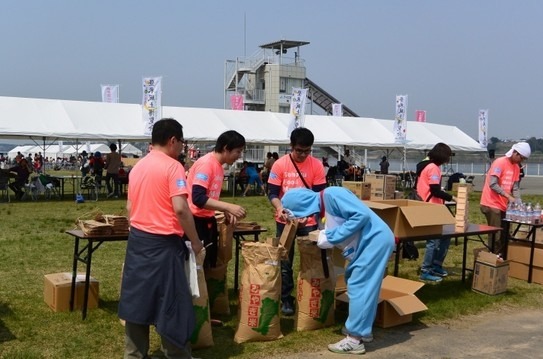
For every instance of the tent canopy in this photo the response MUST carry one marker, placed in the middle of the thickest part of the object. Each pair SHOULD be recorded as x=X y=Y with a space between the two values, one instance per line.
x=54 y=120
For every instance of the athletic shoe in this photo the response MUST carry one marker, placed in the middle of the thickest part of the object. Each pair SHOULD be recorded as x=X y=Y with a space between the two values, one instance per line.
x=347 y=345
x=439 y=271
x=287 y=309
x=365 y=339
x=428 y=277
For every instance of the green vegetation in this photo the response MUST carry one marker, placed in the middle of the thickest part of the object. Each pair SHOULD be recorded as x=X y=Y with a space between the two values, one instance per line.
x=33 y=243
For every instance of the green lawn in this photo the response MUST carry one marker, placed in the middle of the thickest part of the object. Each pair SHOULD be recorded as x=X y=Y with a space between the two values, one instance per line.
x=33 y=243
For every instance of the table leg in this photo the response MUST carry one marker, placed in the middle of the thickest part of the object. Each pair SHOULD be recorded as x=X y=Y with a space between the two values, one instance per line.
x=464 y=258
x=505 y=235
x=397 y=259
x=87 y=280
x=531 y=266
x=74 y=272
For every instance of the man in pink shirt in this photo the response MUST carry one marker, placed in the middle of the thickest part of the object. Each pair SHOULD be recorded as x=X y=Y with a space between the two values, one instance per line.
x=205 y=180
x=296 y=170
x=502 y=186
x=154 y=289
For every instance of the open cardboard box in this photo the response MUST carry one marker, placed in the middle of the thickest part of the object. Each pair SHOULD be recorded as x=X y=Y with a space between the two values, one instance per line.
x=409 y=218
x=397 y=301
x=490 y=273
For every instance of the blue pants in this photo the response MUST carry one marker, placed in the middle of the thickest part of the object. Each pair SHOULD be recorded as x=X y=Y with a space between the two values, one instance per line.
x=436 y=251
x=364 y=276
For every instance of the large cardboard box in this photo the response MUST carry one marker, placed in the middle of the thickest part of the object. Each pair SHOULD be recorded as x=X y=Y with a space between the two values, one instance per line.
x=519 y=255
x=409 y=218
x=57 y=287
x=397 y=301
x=362 y=190
x=490 y=273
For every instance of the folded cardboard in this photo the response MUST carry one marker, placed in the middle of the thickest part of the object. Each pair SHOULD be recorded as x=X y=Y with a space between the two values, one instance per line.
x=519 y=255
x=397 y=301
x=490 y=273
x=409 y=218
x=57 y=288
x=520 y=271
x=287 y=236
x=457 y=185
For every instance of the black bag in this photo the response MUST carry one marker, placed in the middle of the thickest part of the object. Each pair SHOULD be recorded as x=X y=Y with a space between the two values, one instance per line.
x=410 y=251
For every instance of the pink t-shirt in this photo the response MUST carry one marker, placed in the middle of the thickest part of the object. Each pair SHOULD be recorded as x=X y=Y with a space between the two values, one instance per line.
x=431 y=174
x=284 y=174
x=154 y=180
x=207 y=172
x=508 y=173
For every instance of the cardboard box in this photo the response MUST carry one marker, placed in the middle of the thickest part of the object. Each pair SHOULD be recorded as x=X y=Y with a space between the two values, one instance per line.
x=489 y=273
x=288 y=234
x=361 y=189
x=520 y=271
x=409 y=218
x=57 y=287
x=520 y=252
x=397 y=301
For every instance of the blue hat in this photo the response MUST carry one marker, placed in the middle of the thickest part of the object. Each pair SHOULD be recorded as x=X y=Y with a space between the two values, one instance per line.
x=302 y=202
x=97 y=154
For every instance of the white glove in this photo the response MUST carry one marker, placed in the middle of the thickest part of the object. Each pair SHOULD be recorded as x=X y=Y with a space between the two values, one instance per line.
x=322 y=241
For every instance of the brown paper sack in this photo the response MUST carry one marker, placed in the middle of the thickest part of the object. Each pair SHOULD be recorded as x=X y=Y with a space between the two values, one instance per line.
x=226 y=234
x=217 y=288
x=202 y=337
x=260 y=293
x=316 y=294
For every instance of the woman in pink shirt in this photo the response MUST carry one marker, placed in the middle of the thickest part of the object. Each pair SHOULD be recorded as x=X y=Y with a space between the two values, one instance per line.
x=429 y=189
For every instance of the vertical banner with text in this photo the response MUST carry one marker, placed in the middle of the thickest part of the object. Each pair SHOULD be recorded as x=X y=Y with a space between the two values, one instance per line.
x=297 y=108
x=483 y=128
x=236 y=102
x=337 y=109
x=420 y=115
x=151 y=104
x=400 y=119
x=110 y=93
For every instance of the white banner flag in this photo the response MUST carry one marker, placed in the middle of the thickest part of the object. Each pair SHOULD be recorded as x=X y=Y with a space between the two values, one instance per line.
x=151 y=105
x=483 y=128
x=61 y=146
x=337 y=109
x=297 y=108
x=87 y=147
x=110 y=93
x=400 y=118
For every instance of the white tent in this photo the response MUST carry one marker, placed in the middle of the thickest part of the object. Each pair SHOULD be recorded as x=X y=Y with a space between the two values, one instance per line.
x=52 y=120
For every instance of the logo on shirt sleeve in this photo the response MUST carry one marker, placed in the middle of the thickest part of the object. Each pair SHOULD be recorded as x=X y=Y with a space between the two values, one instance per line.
x=181 y=183
x=273 y=175
x=202 y=176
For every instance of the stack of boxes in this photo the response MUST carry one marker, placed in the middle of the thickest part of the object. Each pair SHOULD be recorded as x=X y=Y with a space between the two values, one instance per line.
x=382 y=186
x=462 y=207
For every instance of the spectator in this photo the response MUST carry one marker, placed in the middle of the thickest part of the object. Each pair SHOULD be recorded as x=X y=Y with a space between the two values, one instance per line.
x=154 y=289
x=113 y=163
x=295 y=170
x=21 y=178
x=501 y=187
x=429 y=189
x=84 y=163
x=348 y=158
x=253 y=179
x=383 y=165
x=96 y=164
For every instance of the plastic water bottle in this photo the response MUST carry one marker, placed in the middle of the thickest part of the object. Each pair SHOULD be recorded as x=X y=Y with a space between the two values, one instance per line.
x=515 y=216
x=529 y=214
x=522 y=213
x=509 y=211
x=536 y=214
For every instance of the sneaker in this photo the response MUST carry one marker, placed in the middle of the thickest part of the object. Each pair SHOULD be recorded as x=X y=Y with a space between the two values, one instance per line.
x=287 y=309
x=364 y=339
x=347 y=345
x=439 y=271
x=428 y=277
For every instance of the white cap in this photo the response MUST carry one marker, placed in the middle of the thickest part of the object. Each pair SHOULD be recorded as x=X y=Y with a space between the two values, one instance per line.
x=522 y=147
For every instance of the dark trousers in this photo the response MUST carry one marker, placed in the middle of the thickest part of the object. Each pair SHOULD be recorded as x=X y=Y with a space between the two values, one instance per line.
x=287 y=275
x=115 y=178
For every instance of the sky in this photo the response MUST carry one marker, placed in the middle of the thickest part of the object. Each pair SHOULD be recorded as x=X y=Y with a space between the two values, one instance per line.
x=452 y=58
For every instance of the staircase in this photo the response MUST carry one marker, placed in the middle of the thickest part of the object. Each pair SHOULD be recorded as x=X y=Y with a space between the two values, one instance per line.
x=324 y=100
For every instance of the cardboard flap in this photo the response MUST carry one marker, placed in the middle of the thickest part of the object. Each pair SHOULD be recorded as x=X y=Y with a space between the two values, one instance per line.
x=396 y=284
x=379 y=205
x=429 y=215
x=407 y=304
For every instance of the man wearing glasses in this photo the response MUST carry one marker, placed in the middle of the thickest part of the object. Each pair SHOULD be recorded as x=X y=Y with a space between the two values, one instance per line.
x=296 y=170
x=502 y=186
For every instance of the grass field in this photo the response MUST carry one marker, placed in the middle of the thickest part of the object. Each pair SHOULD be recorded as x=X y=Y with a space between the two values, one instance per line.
x=33 y=243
